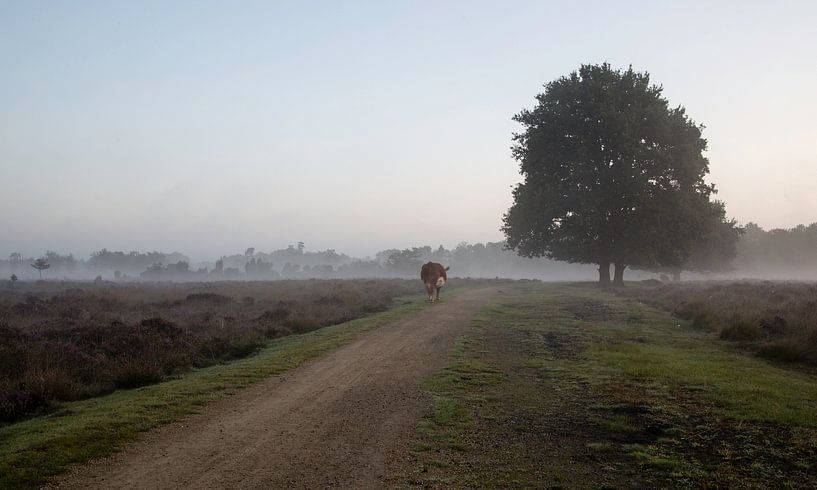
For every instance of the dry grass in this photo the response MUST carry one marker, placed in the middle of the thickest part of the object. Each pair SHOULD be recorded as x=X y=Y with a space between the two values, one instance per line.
x=69 y=341
x=776 y=319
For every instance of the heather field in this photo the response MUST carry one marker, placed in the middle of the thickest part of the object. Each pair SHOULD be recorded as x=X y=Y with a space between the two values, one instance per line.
x=68 y=341
x=775 y=319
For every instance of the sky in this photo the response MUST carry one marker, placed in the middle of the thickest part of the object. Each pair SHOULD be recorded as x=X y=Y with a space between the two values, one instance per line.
x=209 y=127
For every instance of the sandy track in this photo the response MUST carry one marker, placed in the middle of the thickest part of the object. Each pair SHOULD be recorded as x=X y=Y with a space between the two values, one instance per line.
x=339 y=421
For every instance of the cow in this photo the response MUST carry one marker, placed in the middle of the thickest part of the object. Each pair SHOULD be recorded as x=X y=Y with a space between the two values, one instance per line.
x=433 y=276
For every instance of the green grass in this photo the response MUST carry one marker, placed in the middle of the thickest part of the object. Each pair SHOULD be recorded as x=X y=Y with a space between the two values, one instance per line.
x=617 y=424
x=745 y=387
x=31 y=451
x=584 y=379
x=652 y=457
x=651 y=345
x=447 y=415
x=447 y=418
x=775 y=319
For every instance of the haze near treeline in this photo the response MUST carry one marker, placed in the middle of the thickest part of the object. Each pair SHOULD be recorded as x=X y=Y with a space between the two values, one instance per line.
x=208 y=127
x=776 y=254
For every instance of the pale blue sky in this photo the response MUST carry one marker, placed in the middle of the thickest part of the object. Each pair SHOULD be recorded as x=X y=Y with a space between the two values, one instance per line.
x=209 y=127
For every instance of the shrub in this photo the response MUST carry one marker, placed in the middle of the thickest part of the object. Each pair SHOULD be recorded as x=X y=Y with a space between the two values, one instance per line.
x=133 y=373
x=302 y=323
x=211 y=349
x=777 y=319
x=742 y=331
x=212 y=298
x=31 y=306
x=77 y=344
x=705 y=320
x=48 y=383
x=16 y=402
x=790 y=350
x=275 y=315
x=246 y=344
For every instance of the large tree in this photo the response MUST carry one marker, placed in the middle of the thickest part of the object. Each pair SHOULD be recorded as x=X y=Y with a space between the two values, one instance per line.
x=612 y=175
x=713 y=252
x=716 y=250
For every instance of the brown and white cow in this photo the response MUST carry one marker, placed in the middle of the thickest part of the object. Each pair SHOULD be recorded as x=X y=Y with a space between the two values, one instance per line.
x=433 y=276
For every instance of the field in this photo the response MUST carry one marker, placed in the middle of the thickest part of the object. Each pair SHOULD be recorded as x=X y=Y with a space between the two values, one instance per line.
x=775 y=320
x=564 y=385
x=502 y=384
x=61 y=342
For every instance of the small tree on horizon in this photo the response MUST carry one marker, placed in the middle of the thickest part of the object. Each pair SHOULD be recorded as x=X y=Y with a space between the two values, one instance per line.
x=13 y=280
x=41 y=264
x=14 y=260
x=405 y=261
x=612 y=175
x=219 y=267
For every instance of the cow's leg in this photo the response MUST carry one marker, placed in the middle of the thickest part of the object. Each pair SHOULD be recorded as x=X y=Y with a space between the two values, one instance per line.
x=430 y=290
x=439 y=285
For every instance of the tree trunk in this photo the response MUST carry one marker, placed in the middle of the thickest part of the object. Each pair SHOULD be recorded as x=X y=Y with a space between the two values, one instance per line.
x=618 y=280
x=604 y=274
x=676 y=275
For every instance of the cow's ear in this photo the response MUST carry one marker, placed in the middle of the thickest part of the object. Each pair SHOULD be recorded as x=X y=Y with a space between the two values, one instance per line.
x=447 y=268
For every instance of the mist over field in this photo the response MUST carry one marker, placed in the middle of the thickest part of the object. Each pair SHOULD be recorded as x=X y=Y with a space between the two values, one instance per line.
x=211 y=127
x=760 y=254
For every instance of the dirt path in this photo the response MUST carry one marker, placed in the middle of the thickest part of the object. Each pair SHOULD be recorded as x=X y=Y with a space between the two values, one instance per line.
x=338 y=421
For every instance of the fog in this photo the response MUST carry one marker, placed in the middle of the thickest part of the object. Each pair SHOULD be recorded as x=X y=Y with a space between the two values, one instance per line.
x=295 y=262
x=761 y=254
x=207 y=128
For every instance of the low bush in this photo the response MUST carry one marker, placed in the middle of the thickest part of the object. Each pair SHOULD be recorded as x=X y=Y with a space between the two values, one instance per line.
x=66 y=343
x=741 y=329
x=213 y=298
x=776 y=319
x=795 y=348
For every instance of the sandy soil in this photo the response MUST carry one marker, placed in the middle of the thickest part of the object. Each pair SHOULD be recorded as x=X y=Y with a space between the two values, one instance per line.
x=340 y=421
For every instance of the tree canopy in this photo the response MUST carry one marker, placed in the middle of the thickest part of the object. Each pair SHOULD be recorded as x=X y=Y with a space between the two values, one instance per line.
x=41 y=264
x=714 y=252
x=612 y=175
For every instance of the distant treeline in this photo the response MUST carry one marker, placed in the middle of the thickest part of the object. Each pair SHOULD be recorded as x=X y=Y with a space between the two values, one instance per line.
x=779 y=253
x=296 y=262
